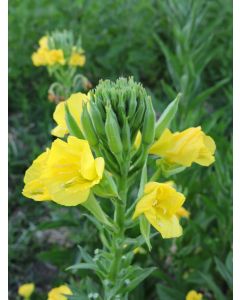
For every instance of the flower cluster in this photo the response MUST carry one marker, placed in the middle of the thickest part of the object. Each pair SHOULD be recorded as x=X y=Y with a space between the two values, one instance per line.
x=56 y=49
x=112 y=133
x=62 y=55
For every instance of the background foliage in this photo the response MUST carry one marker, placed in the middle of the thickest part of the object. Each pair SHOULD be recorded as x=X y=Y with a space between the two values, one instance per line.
x=169 y=46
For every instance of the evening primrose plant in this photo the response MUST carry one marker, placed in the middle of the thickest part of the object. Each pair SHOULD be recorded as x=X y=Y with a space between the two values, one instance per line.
x=105 y=142
x=62 y=56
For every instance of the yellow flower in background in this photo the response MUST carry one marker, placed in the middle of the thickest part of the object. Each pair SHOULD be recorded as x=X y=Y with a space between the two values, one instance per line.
x=59 y=292
x=55 y=56
x=26 y=290
x=75 y=103
x=43 y=42
x=45 y=57
x=193 y=295
x=77 y=59
x=160 y=204
x=64 y=174
x=34 y=187
x=183 y=213
x=186 y=147
x=40 y=57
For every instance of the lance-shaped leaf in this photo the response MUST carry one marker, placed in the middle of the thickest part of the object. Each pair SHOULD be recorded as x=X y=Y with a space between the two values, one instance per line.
x=93 y=206
x=72 y=125
x=143 y=222
x=167 y=116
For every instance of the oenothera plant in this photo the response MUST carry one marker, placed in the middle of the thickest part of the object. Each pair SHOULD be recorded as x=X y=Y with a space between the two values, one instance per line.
x=112 y=132
x=62 y=56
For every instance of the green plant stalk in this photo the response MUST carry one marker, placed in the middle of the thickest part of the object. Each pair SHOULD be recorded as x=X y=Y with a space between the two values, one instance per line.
x=118 y=238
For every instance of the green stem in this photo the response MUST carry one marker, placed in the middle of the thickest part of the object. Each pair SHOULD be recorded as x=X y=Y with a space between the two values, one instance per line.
x=118 y=238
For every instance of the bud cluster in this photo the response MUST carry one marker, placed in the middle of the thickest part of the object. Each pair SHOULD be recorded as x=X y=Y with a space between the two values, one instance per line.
x=117 y=112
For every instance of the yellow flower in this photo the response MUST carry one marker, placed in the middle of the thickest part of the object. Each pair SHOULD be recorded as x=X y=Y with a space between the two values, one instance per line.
x=40 y=57
x=64 y=174
x=43 y=42
x=77 y=59
x=183 y=213
x=55 y=56
x=186 y=147
x=160 y=204
x=193 y=295
x=59 y=292
x=75 y=103
x=26 y=290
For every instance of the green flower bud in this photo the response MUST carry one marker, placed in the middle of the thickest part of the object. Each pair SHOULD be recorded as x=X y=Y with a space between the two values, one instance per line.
x=126 y=136
x=113 y=132
x=88 y=127
x=107 y=187
x=98 y=120
x=137 y=121
x=148 y=132
x=132 y=104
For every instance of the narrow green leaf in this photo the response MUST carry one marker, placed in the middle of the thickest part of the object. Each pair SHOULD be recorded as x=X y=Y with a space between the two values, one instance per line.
x=72 y=125
x=143 y=274
x=82 y=266
x=212 y=286
x=223 y=271
x=145 y=229
x=167 y=116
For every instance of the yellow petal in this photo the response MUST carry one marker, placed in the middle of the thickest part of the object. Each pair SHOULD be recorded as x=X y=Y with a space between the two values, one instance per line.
x=150 y=186
x=183 y=212
x=74 y=102
x=66 y=198
x=59 y=293
x=168 y=227
x=138 y=140
x=205 y=157
x=26 y=290
x=169 y=199
x=34 y=186
x=162 y=144
x=99 y=164
x=144 y=204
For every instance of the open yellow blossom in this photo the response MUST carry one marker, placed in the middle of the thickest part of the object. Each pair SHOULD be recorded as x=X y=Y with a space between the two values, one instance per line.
x=43 y=42
x=55 y=56
x=40 y=57
x=59 y=293
x=75 y=103
x=66 y=173
x=26 y=290
x=186 y=147
x=45 y=57
x=193 y=295
x=77 y=59
x=160 y=204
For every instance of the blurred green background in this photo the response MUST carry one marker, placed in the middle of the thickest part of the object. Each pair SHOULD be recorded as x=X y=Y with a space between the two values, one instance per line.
x=169 y=46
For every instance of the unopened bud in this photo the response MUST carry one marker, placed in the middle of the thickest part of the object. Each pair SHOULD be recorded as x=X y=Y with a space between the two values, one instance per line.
x=113 y=132
x=126 y=136
x=88 y=128
x=148 y=131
